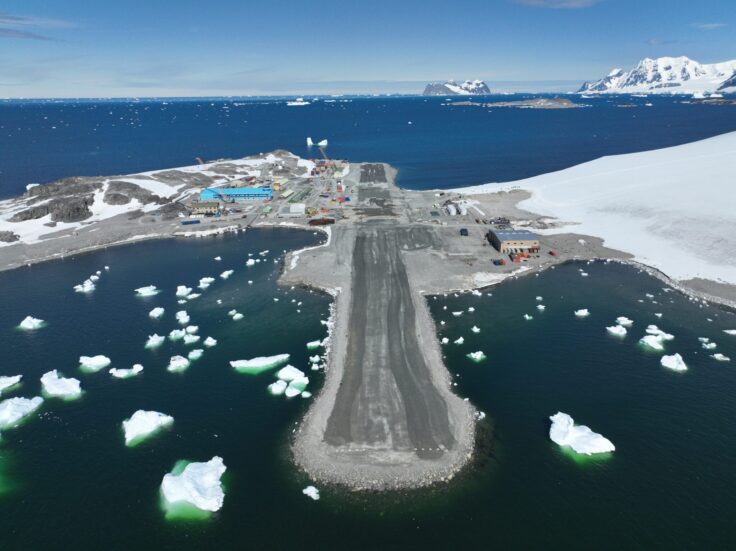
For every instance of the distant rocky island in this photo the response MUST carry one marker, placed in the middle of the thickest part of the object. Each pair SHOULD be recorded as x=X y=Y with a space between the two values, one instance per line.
x=535 y=103
x=451 y=88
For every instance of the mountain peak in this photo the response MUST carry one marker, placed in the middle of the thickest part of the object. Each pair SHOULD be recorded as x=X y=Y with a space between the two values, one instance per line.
x=451 y=88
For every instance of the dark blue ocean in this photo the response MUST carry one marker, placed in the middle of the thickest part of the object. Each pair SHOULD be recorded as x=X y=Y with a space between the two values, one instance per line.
x=433 y=146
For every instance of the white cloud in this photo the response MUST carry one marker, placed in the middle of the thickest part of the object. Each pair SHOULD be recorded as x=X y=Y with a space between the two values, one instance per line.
x=708 y=26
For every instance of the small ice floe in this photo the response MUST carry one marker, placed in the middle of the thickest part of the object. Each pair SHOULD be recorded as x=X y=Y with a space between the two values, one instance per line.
x=582 y=313
x=177 y=363
x=183 y=291
x=720 y=357
x=458 y=314
x=192 y=296
x=60 y=387
x=649 y=295
x=673 y=362
x=181 y=301
x=306 y=394
x=659 y=315
x=232 y=312
x=144 y=424
x=205 y=282
x=250 y=262
x=730 y=331
x=182 y=317
x=314 y=359
x=154 y=341
x=314 y=345
x=475 y=329
x=250 y=282
x=445 y=340
x=289 y=373
x=14 y=410
x=7 y=382
x=442 y=322
x=30 y=323
x=617 y=330
x=311 y=491
x=471 y=309
x=95 y=277
x=227 y=273
x=87 y=286
x=191 y=329
x=275 y=299
x=459 y=340
x=580 y=438
x=477 y=357
x=584 y=274
x=623 y=320
x=218 y=258
x=296 y=379
x=278 y=388
x=541 y=307
x=704 y=339
x=198 y=485
x=527 y=317
x=127 y=373
x=209 y=342
x=652 y=341
x=107 y=268
x=177 y=334
x=476 y=293
x=709 y=345
x=195 y=354
x=254 y=366
x=656 y=331
x=156 y=313
x=539 y=299
x=237 y=316
x=94 y=363
x=190 y=339
x=147 y=291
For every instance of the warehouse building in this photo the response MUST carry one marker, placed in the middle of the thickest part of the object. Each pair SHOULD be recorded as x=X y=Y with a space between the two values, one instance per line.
x=236 y=194
x=205 y=208
x=514 y=241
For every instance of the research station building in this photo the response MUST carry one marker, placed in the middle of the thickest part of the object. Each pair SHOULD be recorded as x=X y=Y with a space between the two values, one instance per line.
x=236 y=194
x=514 y=241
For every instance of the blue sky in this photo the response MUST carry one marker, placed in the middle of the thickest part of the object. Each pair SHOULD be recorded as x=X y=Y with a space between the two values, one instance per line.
x=80 y=48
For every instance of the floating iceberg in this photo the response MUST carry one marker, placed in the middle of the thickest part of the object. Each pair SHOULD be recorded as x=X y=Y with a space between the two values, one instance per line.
x=541 y=307
x=580 y=438
x=254 y=366
x=296 y=387
x=652 y=341
x=237 y=316
x=227 y=273
x=704 y=339
x=720 y=357
x=86 y=287
x=306 y=394
x=658 y=315
x=730 y=331
x=218 y=258
x=457 y=314
x=623 y=320
x=232 y=312
x=127 y=373
x=154 y=341
x=56 y=386
x=527 y=317
x=250 y=262
x=445 y=340
x=311 y=491
x=191 y=329
x=183 y=291
x=147 y=291
x=471 y=309
x=475 y=329
x=182 y=317
x=314 y=359
x=289 y=373
x=13 y=410
x=30 y=323
x=178 y=363
x=582 y=313
x=477 y=357
x=143 y=424
x=278 y=388
x=657 y=332
x=313 y=345
x=192 y=296
x=206 y=282
x=9 y=381
x=674 y=362
x=198 y=485
x=709 y=345
x=195 y=354
x=459 y=340
x=618 y=330
x=94 y=363
x=156 y=312
x=539 y=299
x=210 y=342
x=190 y=339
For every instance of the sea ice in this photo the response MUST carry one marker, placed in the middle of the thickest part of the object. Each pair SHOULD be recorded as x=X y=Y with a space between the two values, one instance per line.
x=311 y=491
x=583 y=312
x=177 y=334
x=658 y=315
x=459 y=340
x=154 y=341
x=147 y=291
x=704 y=339
x=471 y=309
x=260 y=364
x=296 y=387
x=192 y=296
x=656 y=331
x=674 y=362
x=182 y=317
x=156 y=312
x=178 y=363
x=652 y=341
x=190 y=339
x=191 y=329
x=289 y=373
x=94 y=363
x=127 y=373
x=314 y=359
x=218 y=258
x=709 y=345
x=457 y=314
x=475 y=329
x=56 y=386
x=8 y=381
x=306 y=394
x=183 y=290
x=250 y=262
x=618 y=330
x=278 y=388
x=30 y=323
x=527 y=317
x=541 y=307
x=313 y=345
x=13 y=410
x=210 y=342
x=730 y=331
x=143 y=424
x=227 y=273
x=195 y=354
x=477 y=356
x=445 y=340
x=205 y=282
x=232 y=312
x=198 y=485
x=237 y=316
x=720 y=357
x=623 y=320
x=580 y=438
x=86 y=287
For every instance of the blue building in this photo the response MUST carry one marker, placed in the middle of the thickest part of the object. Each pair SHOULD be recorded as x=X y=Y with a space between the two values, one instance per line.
x=230 y=194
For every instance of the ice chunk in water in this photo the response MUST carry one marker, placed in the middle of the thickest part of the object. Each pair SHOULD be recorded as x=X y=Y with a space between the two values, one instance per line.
x=541 y=307
x=296 y=387
x=127 y=373
x=183 y=291
x=618 y=330
x=720 y=357
x=190 y=339
x=205 y=282
x=143 y=424
x=226 y=274
x=457 y=314
x=477 y=293
x=445 y=340
x=198 y=485
x=94 y=363
x=311 y=491
x=192 y=296
x=471 y=309
x=254 y=366
x=86 y=287
x=218 y=258
x=539 y=299
x=704 y=339
x=56 y=386
x=623 y=320
x=232 y=312
x=580 y=438
x=730 y=331
x=289 y=373
x=30 y=323
x=191 y=329
x=657 y=332
x=209 y=342
x=250 y=262
x=154 y=341
x=182 y=317
x=13 y=410
x=652 y=341
x=313 y=345
x=147 y=291
x=178 y=363
x=9 y=381
x=156 y=312
x=659 y=315
x=709 y=345
x=475 y=329
x=477 y=357
x=278 y=388
x=314 y=359
x=177 y=334
x=583 y=312
x=527 y=317
x=237 y=316
x=674 y=362
x=459 y=340
x=195 y=354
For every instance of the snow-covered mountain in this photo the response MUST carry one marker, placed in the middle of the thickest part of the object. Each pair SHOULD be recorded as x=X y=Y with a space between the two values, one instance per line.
x=451 y=88
x=668 y=75
x=730 y=83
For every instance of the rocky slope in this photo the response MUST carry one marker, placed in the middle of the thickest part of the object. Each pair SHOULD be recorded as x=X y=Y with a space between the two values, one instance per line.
x=451 y=88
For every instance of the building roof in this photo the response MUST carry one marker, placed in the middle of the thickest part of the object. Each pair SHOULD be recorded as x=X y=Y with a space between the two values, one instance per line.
x=205 y=205
x=515 y=235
